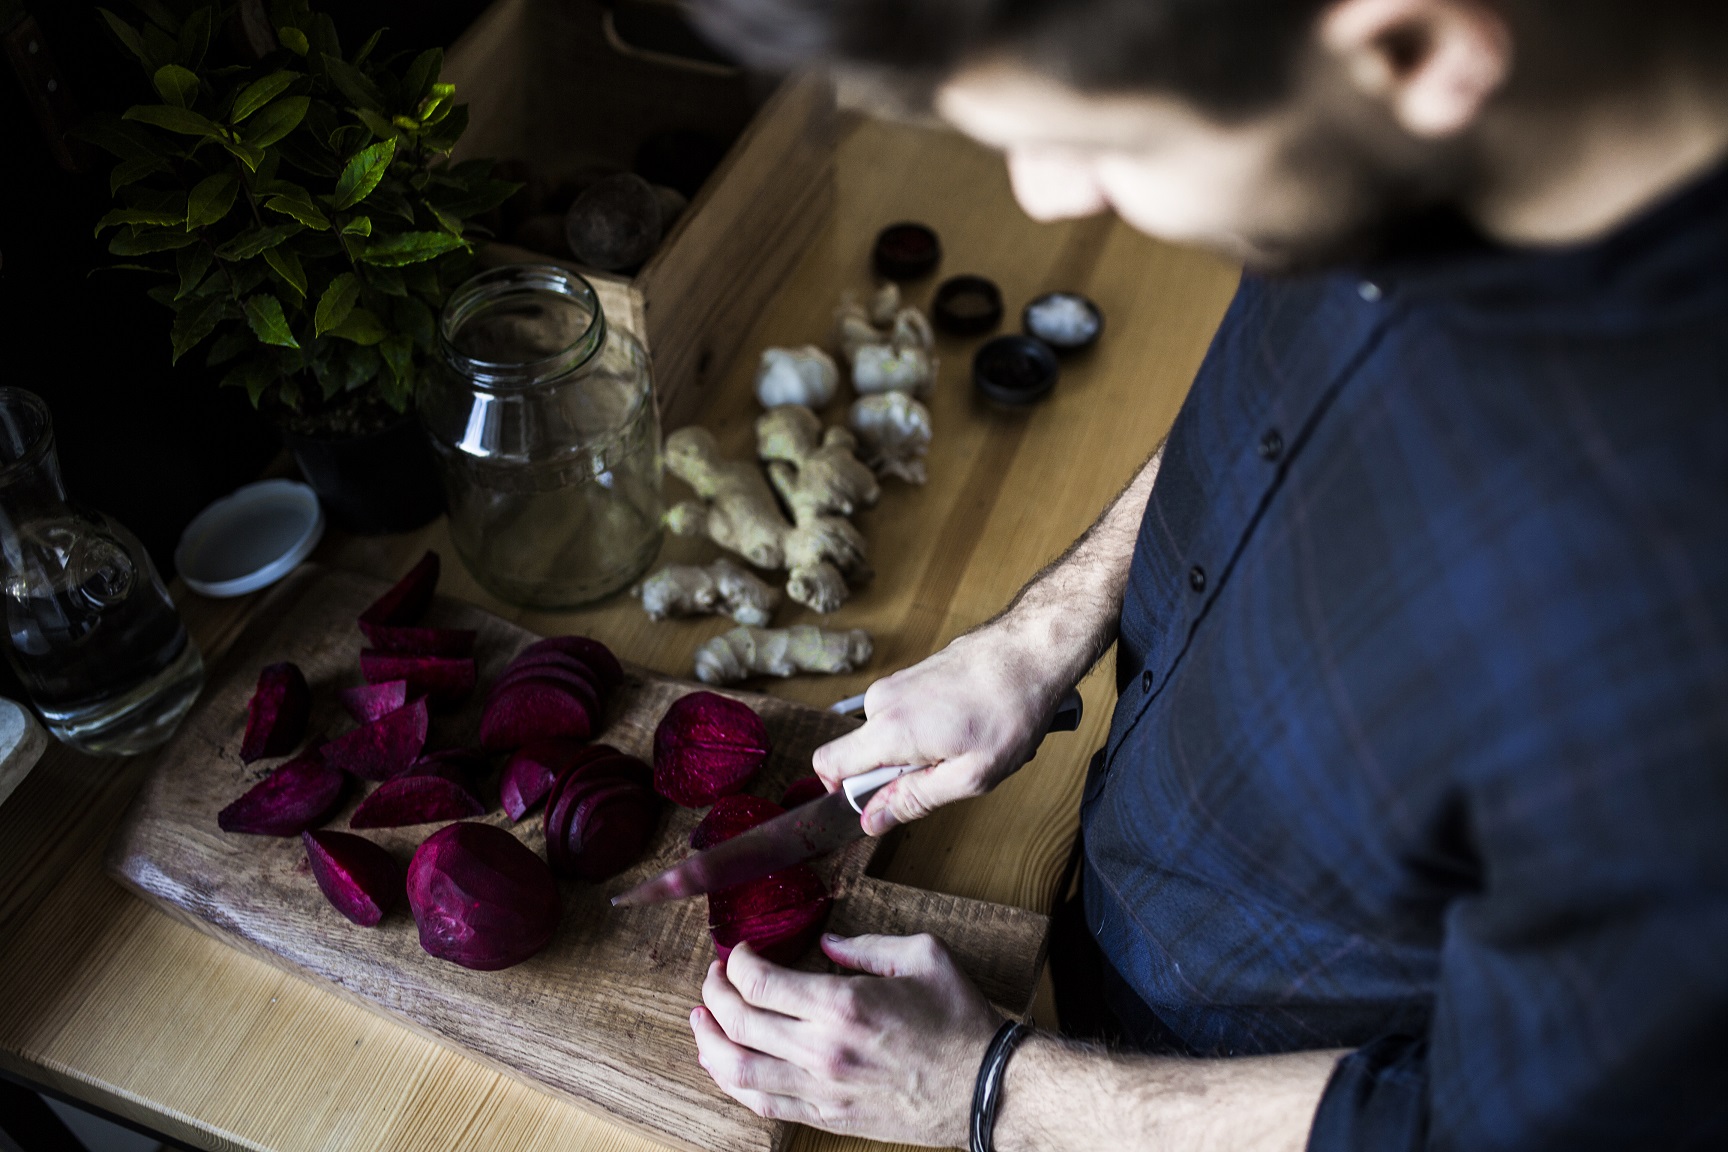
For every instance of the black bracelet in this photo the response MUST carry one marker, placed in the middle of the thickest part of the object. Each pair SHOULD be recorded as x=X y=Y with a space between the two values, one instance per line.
x=987 y=1093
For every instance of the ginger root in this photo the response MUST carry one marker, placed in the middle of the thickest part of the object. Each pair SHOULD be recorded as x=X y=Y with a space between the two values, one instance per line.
x=817 y=473
x=744 y=652
x=887 y=346
x=721 y=588
x=894 y=431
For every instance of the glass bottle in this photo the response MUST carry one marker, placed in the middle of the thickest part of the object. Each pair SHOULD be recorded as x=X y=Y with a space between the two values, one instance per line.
x=547 y=437
x=92 y=634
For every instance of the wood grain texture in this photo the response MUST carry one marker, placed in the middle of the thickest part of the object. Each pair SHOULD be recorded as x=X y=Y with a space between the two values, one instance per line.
x=601 y=1015
x=111 y=1001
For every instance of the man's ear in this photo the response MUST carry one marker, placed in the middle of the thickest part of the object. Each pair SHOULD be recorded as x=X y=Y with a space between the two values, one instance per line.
x=1434 y=63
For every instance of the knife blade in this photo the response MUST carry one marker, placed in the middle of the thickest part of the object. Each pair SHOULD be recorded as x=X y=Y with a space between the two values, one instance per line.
x=806 y=832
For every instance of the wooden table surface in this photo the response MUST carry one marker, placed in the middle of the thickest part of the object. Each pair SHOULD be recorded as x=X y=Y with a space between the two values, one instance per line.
x=109 y=1001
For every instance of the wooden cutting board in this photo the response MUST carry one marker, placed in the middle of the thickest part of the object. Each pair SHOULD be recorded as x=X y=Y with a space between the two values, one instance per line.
x=601 y=1017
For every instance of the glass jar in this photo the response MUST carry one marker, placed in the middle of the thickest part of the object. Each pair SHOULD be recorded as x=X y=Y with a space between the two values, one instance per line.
x=544 y=421
x=93 y=636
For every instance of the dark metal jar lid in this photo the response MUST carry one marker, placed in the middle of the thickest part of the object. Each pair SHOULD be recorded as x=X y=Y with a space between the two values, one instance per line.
x=907 y=251
x=966 y=305
x=1015 y=370
x=1067 y=321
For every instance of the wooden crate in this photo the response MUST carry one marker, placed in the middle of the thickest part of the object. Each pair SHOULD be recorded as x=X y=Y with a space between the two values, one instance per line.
x=546 y=84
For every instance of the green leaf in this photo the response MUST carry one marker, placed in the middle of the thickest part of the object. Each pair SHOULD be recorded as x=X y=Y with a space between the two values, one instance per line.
x=196 y=320
x=445 y=221
x=415 y=319
x=176 y=85
x=259 y=93
x=324 y=36
x=366 y=48
x=417 y=82
x=159 y=14
x=398 y=353
x=276 y=121
x=353 y=83
x=409 y=248
x=118 y=216
x=302 y=210
x=359 y=226
x=229 y=345
x=436 y=106
x=338 y=300
x=126 y=34
x=118 y=138
x=133 y=170
x=361 y=326
x=294 y=40
x=195 y=37
x=210 y=199
x=362 y=174
x=191 y=263
x=253 y=241
x=450 y=129
x=389 y=198
x=245 y=153
x=287 y=266
x=377 y=124
x=163 y=294
x=264 y=315
x=254 y=375
x=387 y=280
x=166 y=116
x=144 y=243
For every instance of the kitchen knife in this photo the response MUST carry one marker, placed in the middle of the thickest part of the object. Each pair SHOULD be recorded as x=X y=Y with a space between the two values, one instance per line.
x=806 y=832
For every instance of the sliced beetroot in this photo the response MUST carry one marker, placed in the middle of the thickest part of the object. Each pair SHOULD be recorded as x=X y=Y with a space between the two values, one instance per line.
x=384 y=748
x=778 y=936
x=802 y=791
x=359 y=877
x=276 y=714
x=422 y=798
x=707 y=746
x=779 y=914
x=529 y=774
x=730 y=816
x=369 y=702
x=481 y=898
x=407 y=599
x=414 y=641
x=580 y=684
x=445 y=680
x=553 y=659
x=299 y=795
x=591 y=652
x=531 y=711
x=609 y=830
x=775 y=892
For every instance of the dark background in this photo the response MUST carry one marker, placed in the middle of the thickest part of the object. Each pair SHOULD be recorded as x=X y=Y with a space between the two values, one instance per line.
x=147 y=442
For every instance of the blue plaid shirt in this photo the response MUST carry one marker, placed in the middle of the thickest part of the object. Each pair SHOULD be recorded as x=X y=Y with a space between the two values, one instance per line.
x=1422 y=739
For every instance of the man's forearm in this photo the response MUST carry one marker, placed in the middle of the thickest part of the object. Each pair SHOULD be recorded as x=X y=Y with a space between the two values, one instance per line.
x=1065 y=1096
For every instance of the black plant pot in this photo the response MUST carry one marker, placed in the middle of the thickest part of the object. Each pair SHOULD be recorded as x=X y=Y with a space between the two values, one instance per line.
x=372 y=484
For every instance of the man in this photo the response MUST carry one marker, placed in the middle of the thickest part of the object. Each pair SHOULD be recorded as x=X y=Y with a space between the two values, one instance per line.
x=1412 y=827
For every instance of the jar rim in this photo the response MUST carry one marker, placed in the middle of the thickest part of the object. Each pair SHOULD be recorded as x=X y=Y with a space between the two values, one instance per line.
x=494 y=284
x=13 y=403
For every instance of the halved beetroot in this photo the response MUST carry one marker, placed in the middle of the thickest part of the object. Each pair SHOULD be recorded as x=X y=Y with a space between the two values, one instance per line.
x=730 y=816
x=421 y=798
x=481 y=898
x=413 y=641
x=298 y=795
x=779 y=914
x=445 y=680
x=530 y=773
x=276 y=714
x=778 y=936
x=609 y=829
x=384 y=748
x=707 y=746
x=531 y=711
x=408 y=599
x=591 y=652
x=369 y=702
x=775 y=892
x=359 y=877
x=802 y=791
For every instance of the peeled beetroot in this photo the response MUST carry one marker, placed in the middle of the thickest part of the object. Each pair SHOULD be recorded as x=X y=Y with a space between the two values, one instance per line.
x=383 y=748
x=276 y=715
x=432 y=794
x=368 y=702
x=481 y=898
x=607 y=671
x=298 y=795
x=778 y=936
x=781 y=913
x=409 y=598
x=730 y=816
x=419 y=641
x=359 y=877
x=530 y=711
x=529 y=774
x=707 y=746
x=445 y=680
x=802 y=791
x=600 y=814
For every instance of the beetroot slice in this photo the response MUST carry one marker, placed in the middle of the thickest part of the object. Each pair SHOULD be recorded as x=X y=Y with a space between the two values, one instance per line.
x=422 y=798
x=528 y=775
x=730 y=816
x=705 y=747
x=369 y=702
x=407 y=641
x=778 y=936
x=383 y=748
x=445 y=680
x=532 y=711
x=579 y=683
x=359 y=877
x=802 y=791
x=407 y=599
x=481 y=898
x=609 y=829
x=549 y=659
x=596 y=655
x=276 y=714
x=292 y=798
x=775 y=892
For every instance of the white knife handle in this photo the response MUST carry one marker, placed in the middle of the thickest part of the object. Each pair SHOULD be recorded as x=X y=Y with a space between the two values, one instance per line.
x=860 y=788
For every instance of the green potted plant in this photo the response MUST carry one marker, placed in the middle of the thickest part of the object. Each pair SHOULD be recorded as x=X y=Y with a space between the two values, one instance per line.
x=301 y=214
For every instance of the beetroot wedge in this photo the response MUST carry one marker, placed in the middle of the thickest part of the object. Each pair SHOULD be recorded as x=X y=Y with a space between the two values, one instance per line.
x=481 y=898
x=299 y=795
x=591 y=652
x=423 y=798
x=532 y=711
x=407 y=600
x=384 y=748
x=414 y=641
x=369 y=702
x=529 y=774
x=707 y=746
x=445 y=680
x=802 y=791
x=359 y=877
x=276 y=715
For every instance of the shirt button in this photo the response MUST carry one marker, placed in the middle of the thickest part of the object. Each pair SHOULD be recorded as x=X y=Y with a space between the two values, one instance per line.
x=1369 y=291
x=1197 y=578
x=1271 y=445
x=1146 y=681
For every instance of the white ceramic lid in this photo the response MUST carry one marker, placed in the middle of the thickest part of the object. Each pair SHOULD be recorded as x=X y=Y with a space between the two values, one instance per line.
x=250 y=538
